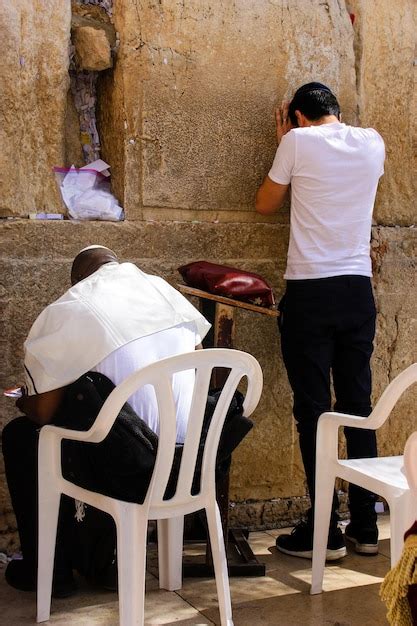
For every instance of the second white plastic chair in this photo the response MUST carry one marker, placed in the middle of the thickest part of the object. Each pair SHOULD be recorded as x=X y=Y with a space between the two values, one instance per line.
x=381 y=475
x=132 y=519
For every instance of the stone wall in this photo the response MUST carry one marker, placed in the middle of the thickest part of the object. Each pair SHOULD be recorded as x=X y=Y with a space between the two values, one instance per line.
x=34 y=80
x=185 y=118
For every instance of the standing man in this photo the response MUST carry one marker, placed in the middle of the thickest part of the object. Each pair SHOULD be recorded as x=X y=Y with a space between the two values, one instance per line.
x=327 y=320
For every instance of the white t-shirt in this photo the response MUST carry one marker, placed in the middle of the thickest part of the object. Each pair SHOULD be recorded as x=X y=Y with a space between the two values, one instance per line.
x=146 y=350
x=334 y=171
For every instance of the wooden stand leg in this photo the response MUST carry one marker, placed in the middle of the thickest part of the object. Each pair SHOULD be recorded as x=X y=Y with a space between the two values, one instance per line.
x=221 y=336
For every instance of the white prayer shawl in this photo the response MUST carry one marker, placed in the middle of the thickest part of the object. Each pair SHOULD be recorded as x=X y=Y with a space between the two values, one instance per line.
x=107 y=310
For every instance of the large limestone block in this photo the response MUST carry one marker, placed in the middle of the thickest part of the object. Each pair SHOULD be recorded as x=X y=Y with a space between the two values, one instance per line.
x=200 y=82
x=34 y=82
x=100 y=22
x=385 y=47
x=92 y=48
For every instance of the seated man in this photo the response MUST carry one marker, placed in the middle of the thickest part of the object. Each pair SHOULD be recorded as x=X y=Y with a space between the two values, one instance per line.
x=114 y=320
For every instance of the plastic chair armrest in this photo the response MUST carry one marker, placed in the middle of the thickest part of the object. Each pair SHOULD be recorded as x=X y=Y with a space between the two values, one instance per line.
x=328 y=433
x=76 y=435
x=343 y=419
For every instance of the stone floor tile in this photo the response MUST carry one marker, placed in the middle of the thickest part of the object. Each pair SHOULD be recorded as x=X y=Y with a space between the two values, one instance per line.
x=89 y=608
x=300 y=577
x=385 y=548
x=353 y=556
x=384 y=534
x=345 y=577
x=347 y=607
x=261 y=542
x=384 y=526
x=201 y=593
x=279 y=531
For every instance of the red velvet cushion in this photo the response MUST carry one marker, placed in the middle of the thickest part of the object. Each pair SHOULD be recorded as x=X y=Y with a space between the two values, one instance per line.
x=228 y=281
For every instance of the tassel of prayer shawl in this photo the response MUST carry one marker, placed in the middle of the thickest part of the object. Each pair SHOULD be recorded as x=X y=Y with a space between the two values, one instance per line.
x=394 y=588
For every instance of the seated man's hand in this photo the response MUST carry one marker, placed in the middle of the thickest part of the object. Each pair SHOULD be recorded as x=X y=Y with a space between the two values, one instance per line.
x=42 y=407
x=21 y=402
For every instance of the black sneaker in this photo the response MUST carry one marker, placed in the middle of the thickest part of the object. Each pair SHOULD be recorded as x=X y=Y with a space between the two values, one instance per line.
x=300 y=543
x=365 y=540
x=19 y=576
x=22 y=577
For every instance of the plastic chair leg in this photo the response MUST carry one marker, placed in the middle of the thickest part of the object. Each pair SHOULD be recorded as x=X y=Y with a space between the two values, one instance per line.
x=322 y=512
x=131 y=564
x=402 y=516
x=220 y=564
x=170 y=545
x=49 y=501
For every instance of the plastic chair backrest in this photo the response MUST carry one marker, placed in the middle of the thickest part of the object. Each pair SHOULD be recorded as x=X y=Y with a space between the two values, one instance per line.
x=159 y=375
x=391 y=395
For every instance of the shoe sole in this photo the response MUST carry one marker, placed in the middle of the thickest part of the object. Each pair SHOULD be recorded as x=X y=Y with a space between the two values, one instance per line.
x=331 y=555
x=368 y=549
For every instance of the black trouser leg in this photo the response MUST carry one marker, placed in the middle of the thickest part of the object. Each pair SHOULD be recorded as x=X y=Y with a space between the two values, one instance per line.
x=307 y=350
x=20 y=450
x=353 y=384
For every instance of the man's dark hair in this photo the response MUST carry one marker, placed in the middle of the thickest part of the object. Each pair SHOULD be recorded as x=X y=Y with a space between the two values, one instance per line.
x=314 y=100
x=89 y=261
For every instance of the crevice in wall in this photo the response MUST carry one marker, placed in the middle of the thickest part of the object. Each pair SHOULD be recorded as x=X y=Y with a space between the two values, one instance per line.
x=83 y=90
x=93 y=44
x=106 y=5
x=355 y=17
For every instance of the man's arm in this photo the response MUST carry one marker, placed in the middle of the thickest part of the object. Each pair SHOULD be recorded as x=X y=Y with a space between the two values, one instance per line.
x=270 y=196
x=41 y=407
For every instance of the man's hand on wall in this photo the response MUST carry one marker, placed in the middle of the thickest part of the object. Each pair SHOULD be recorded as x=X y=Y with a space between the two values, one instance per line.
x=283 y=122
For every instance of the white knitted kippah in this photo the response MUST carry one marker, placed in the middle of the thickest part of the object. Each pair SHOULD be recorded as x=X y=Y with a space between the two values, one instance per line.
x=97 y=246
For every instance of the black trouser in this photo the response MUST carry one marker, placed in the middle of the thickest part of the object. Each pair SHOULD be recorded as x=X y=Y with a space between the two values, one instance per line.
x=87 y=544
x=327 y=327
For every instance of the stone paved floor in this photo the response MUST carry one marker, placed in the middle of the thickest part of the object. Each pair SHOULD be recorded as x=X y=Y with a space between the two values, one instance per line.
x=281 y=598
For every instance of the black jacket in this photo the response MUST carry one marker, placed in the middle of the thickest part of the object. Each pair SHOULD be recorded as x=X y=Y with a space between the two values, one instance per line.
x=121 y=465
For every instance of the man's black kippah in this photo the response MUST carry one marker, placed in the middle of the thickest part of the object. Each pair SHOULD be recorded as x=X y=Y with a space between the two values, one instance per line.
x=308 y=87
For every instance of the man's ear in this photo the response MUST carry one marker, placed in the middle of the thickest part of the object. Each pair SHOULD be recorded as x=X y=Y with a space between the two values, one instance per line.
x=300 y=118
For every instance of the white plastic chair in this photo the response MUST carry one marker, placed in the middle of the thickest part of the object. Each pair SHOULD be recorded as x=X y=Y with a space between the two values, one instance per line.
x=380 y=475
x=132 y=519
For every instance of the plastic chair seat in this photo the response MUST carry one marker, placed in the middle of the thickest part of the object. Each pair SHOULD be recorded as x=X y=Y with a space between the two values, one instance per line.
x=385 y=470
